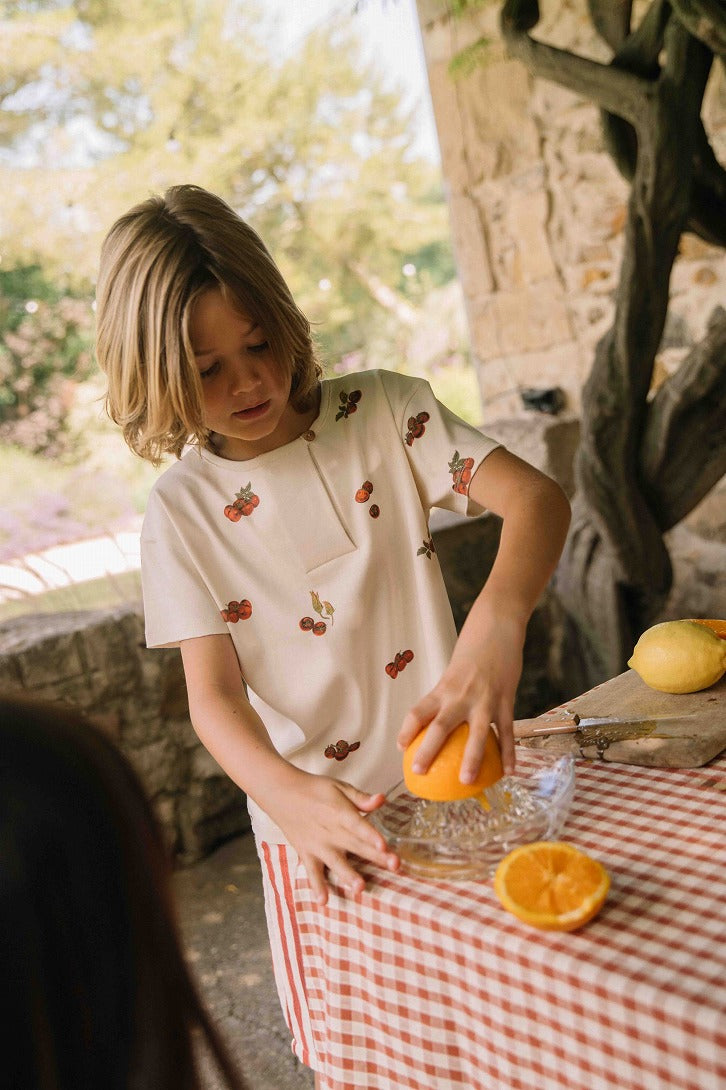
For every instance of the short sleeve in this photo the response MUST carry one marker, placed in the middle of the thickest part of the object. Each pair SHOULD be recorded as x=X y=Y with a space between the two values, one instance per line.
x=177 y=603
x=443 y=450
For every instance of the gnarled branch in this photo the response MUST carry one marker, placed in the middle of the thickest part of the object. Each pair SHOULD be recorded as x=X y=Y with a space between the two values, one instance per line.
x=683 y=448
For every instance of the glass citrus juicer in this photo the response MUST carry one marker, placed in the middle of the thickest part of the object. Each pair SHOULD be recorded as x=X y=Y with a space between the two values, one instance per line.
x=441 y=828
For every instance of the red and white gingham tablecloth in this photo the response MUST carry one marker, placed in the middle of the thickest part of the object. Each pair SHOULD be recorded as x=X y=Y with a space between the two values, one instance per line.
x=431 y=985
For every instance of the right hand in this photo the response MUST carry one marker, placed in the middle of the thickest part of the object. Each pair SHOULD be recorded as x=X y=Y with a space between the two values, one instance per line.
x=323 y=819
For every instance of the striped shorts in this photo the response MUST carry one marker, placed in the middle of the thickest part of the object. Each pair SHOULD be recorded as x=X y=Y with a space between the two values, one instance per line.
x=279 y=864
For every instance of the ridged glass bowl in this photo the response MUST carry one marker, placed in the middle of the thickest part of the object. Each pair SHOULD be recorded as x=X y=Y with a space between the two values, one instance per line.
x=464 y=840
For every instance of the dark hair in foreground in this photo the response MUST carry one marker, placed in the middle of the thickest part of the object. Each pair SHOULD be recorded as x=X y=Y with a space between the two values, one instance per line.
x=95 y=993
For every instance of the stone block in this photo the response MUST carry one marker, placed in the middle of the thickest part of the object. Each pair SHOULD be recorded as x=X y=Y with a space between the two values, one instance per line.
x=532 y=318
x=547 y=442
x=54 y=660
x=500 y=379
x=97 y=661
x=10 y=679
x=165 y=810
x=161 y=766
x=469 y=242
x=466 y=548
x=207 y=814
x=174 y=701
x=204 y=766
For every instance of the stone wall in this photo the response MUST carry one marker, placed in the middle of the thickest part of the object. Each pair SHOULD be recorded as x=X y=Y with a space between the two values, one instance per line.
x=98 y=661
x=537 y=209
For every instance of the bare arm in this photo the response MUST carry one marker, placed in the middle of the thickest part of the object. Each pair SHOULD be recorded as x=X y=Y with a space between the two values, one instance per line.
x=480 y=683
x=320 y=817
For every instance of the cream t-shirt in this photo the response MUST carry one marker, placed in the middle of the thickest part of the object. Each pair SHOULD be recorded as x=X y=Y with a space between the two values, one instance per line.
x=317 y=560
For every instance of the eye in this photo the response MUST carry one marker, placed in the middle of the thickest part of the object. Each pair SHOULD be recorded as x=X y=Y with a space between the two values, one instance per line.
x=211 y=370
x=258 y=349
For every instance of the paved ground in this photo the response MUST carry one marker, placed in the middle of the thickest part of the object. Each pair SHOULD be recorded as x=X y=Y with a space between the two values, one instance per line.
x=223 y=923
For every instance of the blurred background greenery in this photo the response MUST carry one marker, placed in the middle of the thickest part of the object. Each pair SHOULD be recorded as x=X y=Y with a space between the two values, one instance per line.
x=309 y=136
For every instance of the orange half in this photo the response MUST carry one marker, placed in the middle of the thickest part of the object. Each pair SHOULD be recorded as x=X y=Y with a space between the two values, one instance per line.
x=441 y=783
x=551 y=885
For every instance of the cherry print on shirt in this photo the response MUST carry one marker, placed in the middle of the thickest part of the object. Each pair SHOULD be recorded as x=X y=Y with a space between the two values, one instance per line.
x=416 y=427
x=460 y=469
x=237 y=611
x=401 y=660
x=348 y=403
x=341 y=749
x=363 y=494
x=427 y=548
x=244 y=504
x=325 y=609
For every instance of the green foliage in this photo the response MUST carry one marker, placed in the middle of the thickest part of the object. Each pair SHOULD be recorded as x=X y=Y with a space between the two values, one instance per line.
x=45 y=351
x=103 y=103
x=468 y=60
x=313 y=148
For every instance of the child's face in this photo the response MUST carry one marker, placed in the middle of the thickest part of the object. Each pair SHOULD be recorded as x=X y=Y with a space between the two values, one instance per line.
x=246 y=399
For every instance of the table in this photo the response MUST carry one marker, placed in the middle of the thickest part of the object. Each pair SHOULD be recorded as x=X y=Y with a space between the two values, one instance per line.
x=431 y=985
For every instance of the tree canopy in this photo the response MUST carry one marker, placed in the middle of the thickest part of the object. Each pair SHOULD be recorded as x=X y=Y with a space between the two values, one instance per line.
x=103 y=103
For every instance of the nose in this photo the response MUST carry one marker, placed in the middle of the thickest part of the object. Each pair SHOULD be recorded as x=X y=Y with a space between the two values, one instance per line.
x=245 y=375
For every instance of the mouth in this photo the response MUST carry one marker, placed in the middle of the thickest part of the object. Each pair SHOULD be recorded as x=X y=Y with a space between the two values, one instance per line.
x=253 y=412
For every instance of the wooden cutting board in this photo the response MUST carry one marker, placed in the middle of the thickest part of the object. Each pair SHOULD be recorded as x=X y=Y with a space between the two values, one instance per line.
x=628 y=697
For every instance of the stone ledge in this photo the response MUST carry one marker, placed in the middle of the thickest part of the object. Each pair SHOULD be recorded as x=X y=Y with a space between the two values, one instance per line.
x=98 y=661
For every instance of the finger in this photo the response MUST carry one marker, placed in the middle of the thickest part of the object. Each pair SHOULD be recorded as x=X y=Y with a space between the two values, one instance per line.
x=474 y=750
x=505 y=732
x=437 y=732
x=316 y=876
x=372 y=802
x=346 y=875
x=362 y=800
x=418 y=717
x=367 y=842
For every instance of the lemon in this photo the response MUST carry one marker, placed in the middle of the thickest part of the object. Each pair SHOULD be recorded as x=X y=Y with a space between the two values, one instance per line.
x=679 y=657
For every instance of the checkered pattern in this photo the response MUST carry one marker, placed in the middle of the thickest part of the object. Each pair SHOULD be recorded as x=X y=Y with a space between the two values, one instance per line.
x=431 y=984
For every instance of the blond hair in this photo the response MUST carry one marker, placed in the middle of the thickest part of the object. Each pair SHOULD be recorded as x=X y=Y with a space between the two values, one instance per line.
x=155 y=262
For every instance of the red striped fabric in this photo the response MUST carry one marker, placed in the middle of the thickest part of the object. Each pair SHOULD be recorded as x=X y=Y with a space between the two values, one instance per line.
x=424 y=984
x=287 y=959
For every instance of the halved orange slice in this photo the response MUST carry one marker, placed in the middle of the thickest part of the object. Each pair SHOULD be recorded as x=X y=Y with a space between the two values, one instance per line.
x=551 y=884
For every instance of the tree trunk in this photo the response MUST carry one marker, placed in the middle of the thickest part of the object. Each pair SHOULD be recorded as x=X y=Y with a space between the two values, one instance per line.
x=633 y=479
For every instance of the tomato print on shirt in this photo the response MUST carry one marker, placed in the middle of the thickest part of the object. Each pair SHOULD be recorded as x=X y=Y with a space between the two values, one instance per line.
x=340 y=750
x=244 y=504
x=325 y=609
x=401 y=660
x=348 y=404
x=237 y=611
x=460 y=469
x=363 y=495
x=416 y=427
x=364 y=492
